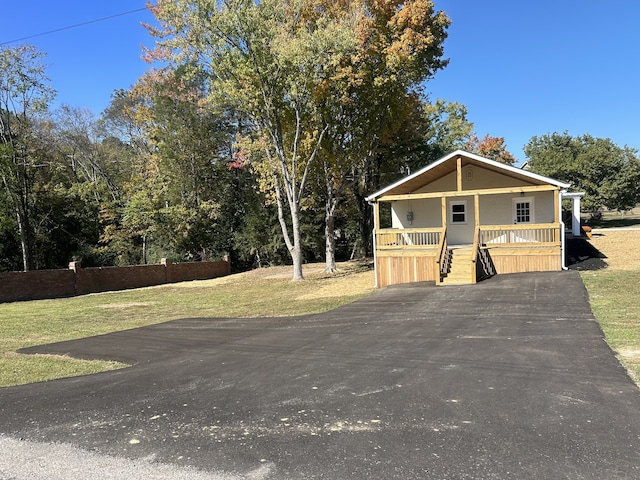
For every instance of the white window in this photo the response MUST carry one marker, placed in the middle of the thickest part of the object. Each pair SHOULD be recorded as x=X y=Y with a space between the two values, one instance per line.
x=458 y=211
x=523 y=210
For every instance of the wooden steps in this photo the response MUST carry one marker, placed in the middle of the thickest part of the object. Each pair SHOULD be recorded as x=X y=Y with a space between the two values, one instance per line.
x=462 y=268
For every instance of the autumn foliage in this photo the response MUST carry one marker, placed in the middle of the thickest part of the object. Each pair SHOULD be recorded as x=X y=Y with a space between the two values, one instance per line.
x=490 y=147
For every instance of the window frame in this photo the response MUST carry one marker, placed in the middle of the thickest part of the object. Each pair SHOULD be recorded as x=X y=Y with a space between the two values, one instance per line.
x=465 y=212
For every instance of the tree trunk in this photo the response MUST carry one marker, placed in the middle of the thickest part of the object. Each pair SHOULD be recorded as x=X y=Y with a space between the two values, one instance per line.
x=365 y=223
x=369 y=181
x=330 y=244
x=294 y=185
x=330 y=229
x=25 y=241
x=24 y=226
x=144 y=248
x=294 y=247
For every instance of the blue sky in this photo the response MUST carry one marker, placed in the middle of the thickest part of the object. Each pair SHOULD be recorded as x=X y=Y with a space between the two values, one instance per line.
x=527 y=68
x=521 y=68
x=86 y=63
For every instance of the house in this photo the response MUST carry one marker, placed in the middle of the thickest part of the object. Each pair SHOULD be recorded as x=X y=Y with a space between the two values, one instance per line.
x=464 y=218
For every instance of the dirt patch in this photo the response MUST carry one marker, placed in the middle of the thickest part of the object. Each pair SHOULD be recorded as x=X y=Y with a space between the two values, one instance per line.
x=358 y=282
x=118 y=306
x=286 y=271
x=629 y=352
x=621 y=248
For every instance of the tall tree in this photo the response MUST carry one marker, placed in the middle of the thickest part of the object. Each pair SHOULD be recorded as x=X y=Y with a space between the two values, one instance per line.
x=426 y=133
x=266 y=59
x=25 y=94
x=376 y=90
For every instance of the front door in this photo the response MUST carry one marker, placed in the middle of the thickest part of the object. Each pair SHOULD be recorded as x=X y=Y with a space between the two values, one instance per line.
x=523 y=210
x=460 y=221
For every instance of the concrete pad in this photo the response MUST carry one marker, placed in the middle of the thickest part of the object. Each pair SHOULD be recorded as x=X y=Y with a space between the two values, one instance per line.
x=508 y=378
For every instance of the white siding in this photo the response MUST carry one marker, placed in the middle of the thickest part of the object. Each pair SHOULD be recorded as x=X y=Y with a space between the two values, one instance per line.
x=498 y=209
x=474 y=177
x=427 y=213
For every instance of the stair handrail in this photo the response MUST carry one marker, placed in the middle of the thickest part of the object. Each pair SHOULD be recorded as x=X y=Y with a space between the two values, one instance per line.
x=442 y=252
x=476 y=244
x=474 y=253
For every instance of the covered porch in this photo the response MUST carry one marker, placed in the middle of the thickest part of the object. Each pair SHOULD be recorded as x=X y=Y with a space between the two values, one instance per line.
x=408 y=254
x=424 y=254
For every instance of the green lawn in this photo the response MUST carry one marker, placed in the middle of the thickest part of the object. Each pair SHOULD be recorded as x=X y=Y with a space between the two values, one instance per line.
x=614 y=220
x=615 y=300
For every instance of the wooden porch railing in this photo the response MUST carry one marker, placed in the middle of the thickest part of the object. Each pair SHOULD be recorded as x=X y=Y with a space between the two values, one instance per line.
x=408 y=237
x=541 y=233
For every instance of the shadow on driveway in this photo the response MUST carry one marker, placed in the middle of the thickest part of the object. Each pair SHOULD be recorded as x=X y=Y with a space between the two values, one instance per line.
x=509 y=378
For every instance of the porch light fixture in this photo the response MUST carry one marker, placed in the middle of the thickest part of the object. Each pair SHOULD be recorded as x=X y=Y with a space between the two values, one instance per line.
x=522 y=194
x=410 y=217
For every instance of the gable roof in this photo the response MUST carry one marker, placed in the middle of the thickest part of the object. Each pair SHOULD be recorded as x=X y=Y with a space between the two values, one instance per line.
x=448 y=164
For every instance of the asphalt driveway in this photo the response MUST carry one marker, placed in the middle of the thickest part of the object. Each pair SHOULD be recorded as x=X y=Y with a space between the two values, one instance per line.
x=509 y=378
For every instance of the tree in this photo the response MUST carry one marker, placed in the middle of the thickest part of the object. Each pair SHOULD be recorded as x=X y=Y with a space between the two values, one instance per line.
x=265 y=59
x=446 y=129
x=78 y=142
x=492 y=148
x=375 y=92
x=192 y=144
x=608 y=174
x=127 y=156
x=24 y=96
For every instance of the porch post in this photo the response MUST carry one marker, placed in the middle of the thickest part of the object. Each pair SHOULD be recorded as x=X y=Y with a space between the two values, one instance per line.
x=575 y=210
x=575 y=224
x=376 y=216
x=444 y=212
x=476 y=206
x=376 y=227
x=459 y=173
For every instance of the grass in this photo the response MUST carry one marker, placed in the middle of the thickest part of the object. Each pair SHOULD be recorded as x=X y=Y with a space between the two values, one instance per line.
x=614 y=299
x=616 y=219
x=614 y=294
x=259 y=293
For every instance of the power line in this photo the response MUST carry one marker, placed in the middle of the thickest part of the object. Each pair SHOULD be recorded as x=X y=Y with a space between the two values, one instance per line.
x=72 y=26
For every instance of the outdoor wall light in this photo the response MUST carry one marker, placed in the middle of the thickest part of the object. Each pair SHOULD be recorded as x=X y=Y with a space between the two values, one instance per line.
x=522 y=194
x=410 y=217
